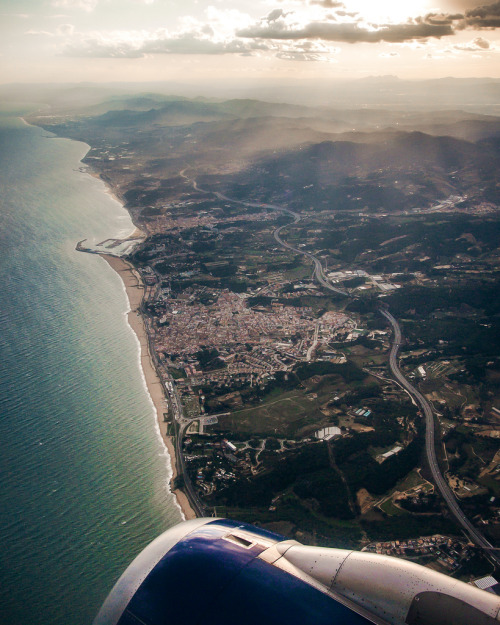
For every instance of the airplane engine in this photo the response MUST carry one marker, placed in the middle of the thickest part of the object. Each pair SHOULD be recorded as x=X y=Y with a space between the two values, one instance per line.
x=220 y=572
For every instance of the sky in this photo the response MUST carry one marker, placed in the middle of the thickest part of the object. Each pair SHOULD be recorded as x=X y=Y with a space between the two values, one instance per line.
x=189 y=40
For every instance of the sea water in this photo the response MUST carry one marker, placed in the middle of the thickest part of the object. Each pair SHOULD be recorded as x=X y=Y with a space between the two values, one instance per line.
x=83 y=473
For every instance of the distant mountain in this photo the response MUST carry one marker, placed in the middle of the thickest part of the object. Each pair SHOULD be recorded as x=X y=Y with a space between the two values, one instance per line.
x=468 y=129
x=379 y=158
x=390 y=171
x=390 y=92
x=145 y=110
x=256 y=135
x=178 y=112
x=401 y=150
x=257 y=108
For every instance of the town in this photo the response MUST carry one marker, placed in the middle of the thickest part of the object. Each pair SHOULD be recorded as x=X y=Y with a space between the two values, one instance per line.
x=307 y=332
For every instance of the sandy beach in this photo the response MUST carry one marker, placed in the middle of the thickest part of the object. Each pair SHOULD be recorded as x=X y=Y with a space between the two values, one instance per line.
x=135 y=291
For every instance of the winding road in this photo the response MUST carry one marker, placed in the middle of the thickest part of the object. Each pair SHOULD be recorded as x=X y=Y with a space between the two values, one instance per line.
x=318 y=273
x=441 y=483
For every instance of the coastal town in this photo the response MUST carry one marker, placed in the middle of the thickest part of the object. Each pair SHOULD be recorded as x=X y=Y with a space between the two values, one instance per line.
x=218 y=350
x=304 y=350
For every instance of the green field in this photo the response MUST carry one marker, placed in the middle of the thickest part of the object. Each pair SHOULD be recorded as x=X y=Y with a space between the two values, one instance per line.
x=391 y=510
x=177 y=374
x=289 y=414
x=412 y=480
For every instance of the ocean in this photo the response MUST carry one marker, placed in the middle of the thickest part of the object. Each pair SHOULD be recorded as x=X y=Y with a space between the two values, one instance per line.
x=84 y=475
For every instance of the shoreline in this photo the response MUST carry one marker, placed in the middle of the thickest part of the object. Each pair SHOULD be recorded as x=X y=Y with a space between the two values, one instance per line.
x=134 y=289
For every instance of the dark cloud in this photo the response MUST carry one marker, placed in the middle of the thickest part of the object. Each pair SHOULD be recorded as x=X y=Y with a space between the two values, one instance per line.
x=346 y=13
x=348 y=33
x=275 y=15
x=440 y=18
x=484 y=16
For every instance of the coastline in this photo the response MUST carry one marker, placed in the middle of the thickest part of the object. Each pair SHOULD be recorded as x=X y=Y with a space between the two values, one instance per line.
x=134 y=289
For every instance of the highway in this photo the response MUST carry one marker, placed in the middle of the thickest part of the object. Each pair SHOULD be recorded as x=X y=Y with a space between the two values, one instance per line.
x=441 y=483
x=318 y=272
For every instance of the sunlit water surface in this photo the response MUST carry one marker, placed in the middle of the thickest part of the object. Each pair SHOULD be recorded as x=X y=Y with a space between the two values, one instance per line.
x=84 y=474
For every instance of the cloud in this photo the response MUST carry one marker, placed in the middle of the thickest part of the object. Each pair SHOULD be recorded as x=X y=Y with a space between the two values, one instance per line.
x=485 y=17
x=440 y=18
x=304 y=51
x=212 y=35
x=190 y=44
x=275 y=15
x=65 y=29
x=292 y=26
x=476 y=45
x=346 y=13
x=138 y=45
x=297 y=55
x=94 y=47
x=84 y=5
x=37 y=33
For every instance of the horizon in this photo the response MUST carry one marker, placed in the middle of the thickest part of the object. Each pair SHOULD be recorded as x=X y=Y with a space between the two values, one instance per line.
x=380 y=77
x=476 y=94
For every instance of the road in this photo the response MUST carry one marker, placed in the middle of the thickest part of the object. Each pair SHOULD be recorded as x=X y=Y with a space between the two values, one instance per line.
x=198 y=507
x=318 y=272
x=314 y=343
x=441 y=483
x=179 y=421
x=180 y=424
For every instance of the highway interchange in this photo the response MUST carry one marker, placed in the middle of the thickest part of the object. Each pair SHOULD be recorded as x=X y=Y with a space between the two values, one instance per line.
x=474 y=534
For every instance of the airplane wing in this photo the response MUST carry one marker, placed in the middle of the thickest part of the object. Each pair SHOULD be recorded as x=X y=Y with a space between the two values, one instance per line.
x=220 y=572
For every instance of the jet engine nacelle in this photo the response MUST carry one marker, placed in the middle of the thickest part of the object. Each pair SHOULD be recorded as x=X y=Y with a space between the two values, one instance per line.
x=220 y=572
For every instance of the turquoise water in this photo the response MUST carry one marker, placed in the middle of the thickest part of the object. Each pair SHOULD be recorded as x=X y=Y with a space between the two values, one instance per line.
x=84 y=474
